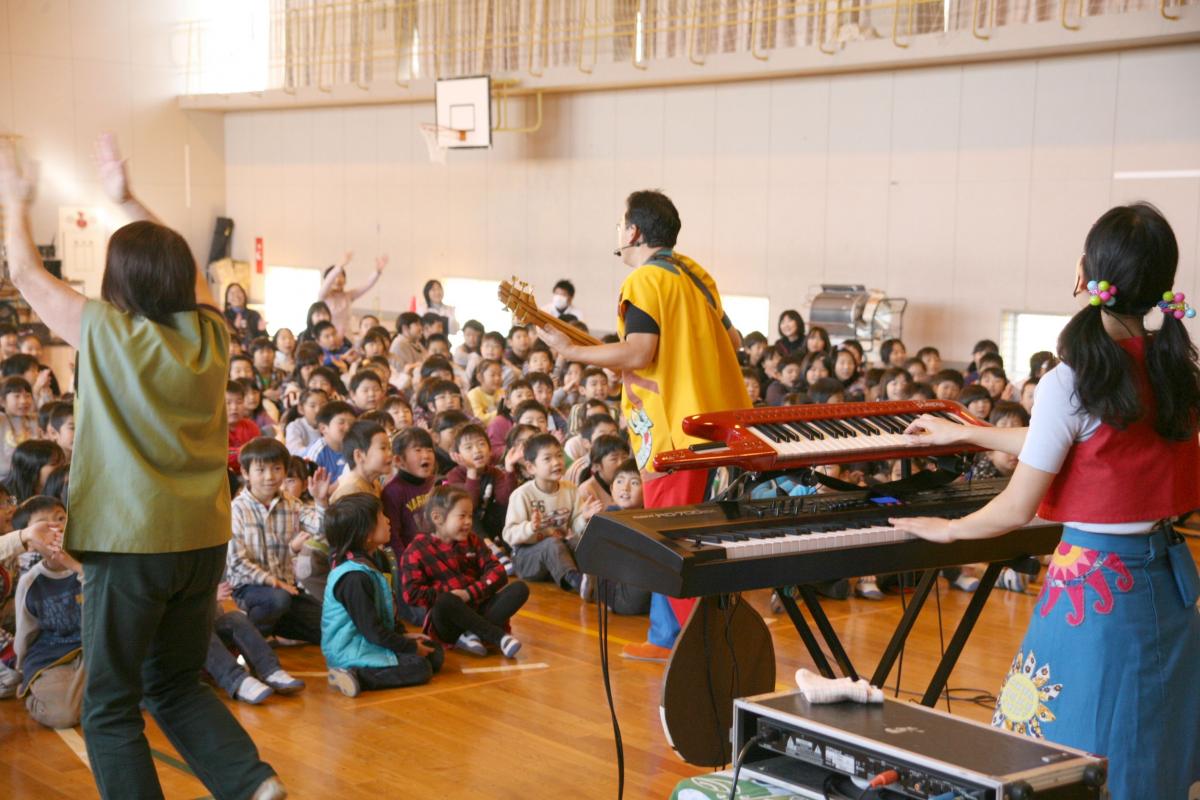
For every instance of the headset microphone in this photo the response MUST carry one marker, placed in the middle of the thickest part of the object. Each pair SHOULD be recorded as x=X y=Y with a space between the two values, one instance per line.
x=623 y=248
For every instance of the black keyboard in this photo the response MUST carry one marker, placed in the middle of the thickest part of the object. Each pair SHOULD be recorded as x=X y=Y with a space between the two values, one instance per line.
x=716 y=548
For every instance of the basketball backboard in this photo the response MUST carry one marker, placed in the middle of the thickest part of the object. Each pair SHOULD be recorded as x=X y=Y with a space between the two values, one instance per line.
x=464 y=112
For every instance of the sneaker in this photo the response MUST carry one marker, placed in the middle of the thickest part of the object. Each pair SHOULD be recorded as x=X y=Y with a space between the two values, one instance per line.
x=344 y=681
x=1012 y=581
x=510 y=645
x=573 y=581
x=253 y=691
x=283 y=683
x=507 y=563
x=868 y=589
x=472 y=644
x=646 y=651
x=10 y=680
x=270 y=789
x=587 y=588
x=965 y=583
x=776 y=603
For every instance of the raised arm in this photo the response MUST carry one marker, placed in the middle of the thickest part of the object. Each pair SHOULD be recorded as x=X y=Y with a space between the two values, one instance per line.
x=114 y=178
x=56 y=303
x=331 y=278
x=380 y=264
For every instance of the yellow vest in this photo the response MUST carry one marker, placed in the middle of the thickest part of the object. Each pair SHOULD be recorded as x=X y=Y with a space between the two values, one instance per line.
x=695 y=369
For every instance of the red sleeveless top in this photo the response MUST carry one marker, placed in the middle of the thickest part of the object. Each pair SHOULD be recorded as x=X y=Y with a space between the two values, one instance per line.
x=1129 y=475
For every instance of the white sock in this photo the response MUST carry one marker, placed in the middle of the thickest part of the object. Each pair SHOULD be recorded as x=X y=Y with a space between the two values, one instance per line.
x=817 y=689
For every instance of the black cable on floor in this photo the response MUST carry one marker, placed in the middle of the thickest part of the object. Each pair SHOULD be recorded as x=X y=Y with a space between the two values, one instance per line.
x=737 y=766
x=602 y=635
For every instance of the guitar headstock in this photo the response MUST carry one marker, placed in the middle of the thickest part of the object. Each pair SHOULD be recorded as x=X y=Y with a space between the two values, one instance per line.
x=517 y=298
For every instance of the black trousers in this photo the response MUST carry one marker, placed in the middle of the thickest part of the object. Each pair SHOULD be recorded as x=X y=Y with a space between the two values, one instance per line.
x=412 y=670
x=452 y=616
x=147 y=623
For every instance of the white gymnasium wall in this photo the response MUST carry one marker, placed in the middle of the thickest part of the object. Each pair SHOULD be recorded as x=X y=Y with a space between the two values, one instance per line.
x=70 y=69
x=968 y=189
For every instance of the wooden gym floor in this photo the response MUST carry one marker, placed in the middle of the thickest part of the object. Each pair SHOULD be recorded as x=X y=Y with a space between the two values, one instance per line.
x=537 y=727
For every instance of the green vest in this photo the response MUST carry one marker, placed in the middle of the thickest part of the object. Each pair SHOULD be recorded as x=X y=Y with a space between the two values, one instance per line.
x=342 y=644
x=148 y=471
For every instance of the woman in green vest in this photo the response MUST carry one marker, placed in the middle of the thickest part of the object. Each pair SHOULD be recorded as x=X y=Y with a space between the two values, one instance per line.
x=149 y=506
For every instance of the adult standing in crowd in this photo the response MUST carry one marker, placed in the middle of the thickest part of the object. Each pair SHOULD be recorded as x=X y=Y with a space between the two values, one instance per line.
x=339 y=299
x=562 y=302
x=149 y=498
x=246 y=321
x=435 y=296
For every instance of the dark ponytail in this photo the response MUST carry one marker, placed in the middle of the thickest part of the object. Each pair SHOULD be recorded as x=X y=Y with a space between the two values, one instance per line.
x=1133 y=248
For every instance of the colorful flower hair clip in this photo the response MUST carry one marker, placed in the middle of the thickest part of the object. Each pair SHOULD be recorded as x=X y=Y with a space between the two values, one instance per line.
x=1102 y=292
x=1172 y=303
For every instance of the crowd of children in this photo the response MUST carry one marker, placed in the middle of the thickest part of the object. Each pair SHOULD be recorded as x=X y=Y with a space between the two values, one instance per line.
x=384 y=479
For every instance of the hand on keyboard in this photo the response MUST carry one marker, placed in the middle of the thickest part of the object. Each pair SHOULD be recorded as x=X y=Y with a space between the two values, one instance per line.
x=933 y=529
x=931 y=430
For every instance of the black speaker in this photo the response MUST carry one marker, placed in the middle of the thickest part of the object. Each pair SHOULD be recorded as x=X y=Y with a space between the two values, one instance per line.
x=222 y=240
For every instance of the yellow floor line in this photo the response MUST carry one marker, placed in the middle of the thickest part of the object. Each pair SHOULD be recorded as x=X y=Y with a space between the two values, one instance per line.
x=74 y=741
x=558 y=623
x=505 y=668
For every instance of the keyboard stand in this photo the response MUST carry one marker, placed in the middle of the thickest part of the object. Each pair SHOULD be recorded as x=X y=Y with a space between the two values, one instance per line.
x=937 y=684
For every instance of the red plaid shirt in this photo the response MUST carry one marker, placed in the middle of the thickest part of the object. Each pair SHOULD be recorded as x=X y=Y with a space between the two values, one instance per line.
x=431 y=566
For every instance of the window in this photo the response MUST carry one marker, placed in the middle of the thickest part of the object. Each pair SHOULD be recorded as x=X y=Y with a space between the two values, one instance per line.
x=290 y=291
x=748 y=313
x=1027 y=333
x=474 y=298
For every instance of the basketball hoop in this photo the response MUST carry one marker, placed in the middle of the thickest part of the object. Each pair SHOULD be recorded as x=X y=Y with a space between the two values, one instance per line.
x=438 y=139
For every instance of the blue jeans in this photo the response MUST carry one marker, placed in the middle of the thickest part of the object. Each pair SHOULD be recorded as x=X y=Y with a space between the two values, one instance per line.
x=235 y=629
x=274 y=611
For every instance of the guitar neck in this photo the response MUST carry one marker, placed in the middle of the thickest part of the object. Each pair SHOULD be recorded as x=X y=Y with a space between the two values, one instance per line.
x=544 y=320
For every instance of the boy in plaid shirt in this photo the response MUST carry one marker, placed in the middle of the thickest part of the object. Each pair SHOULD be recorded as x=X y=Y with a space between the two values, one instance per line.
x=454 y=575
x=269 y=530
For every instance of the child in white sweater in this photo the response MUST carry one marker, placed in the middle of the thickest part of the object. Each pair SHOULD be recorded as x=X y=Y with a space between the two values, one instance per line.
x=542 y=524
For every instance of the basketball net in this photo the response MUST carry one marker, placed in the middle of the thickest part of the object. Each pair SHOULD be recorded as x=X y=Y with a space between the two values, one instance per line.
x=433 y=135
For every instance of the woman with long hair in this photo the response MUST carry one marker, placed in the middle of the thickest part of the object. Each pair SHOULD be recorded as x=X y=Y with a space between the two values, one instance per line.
x=1108 y=662
x=149 y=495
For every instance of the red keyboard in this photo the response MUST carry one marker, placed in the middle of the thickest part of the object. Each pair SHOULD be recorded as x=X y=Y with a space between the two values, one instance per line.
x=784 y=437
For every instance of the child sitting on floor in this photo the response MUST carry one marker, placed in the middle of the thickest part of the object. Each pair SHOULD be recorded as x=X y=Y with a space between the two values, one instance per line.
x=49 y=637
x=60 y=427
x=452 y=574
x=594 y=427
x=624 y=598
x=406 y=494
x=269 y=531
x=607 y=454
x=301 y=432
x=333 y=420
x=488 y=487
x=367 y=446
x=364 y=644
x=241 y=429
x=233 y=629
x=542 y=518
